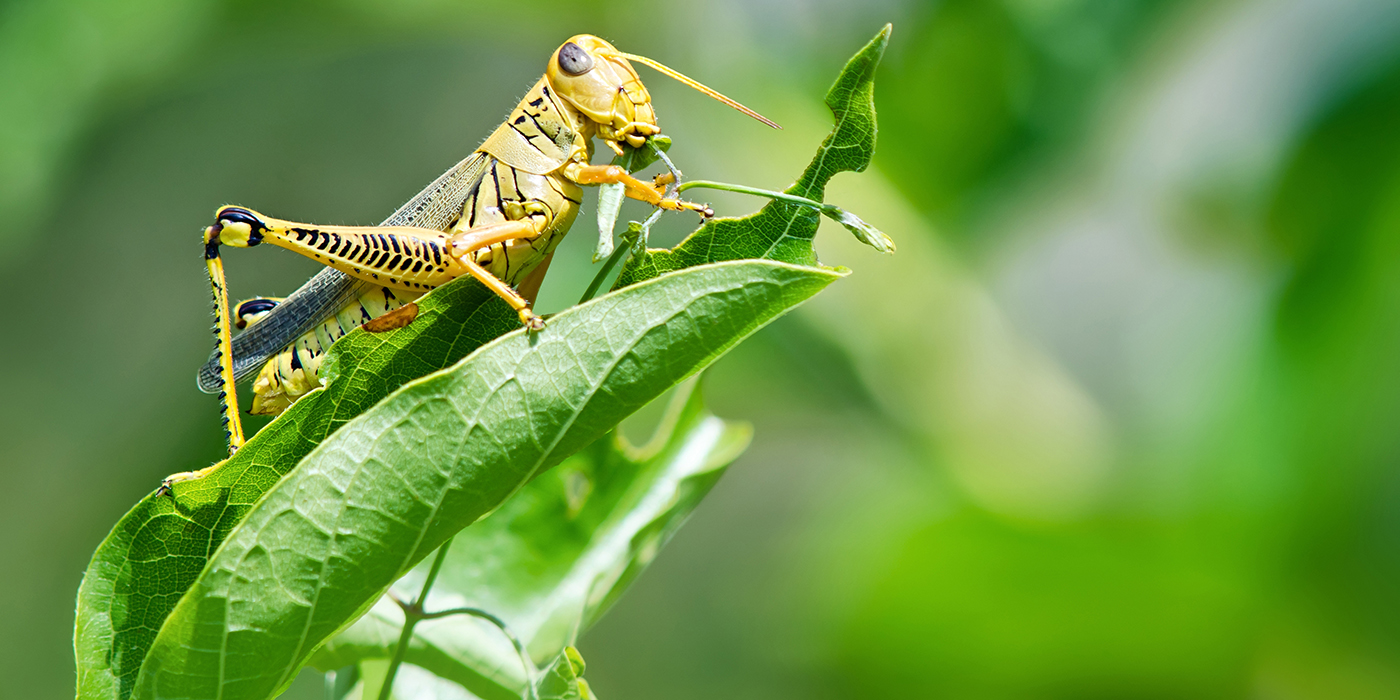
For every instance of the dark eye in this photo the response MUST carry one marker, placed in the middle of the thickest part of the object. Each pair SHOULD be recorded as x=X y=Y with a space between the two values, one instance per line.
x=574 y=60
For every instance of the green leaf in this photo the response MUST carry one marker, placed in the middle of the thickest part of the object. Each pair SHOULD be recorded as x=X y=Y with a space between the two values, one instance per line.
x=864 y=232
x=555 y=556
x=783 y=230
x=159 y=547
x=442 y=452
x=610 y=198
x=636 y=159
x=564 y=679
x=561 y=680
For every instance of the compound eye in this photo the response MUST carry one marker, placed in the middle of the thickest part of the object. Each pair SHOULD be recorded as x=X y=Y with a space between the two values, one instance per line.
x=574 y=60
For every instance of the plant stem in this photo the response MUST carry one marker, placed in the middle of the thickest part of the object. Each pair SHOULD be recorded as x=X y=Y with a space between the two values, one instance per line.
x=500 y=624
x=864 y=232
x=622 y=250
x=412 y=614
x=742 y=189
x=629 y=241
x=675 y=173
x=602 y=275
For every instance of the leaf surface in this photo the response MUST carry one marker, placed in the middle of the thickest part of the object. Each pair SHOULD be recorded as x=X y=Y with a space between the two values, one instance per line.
x=555 y=556
x=379 y=495
x=155 y=552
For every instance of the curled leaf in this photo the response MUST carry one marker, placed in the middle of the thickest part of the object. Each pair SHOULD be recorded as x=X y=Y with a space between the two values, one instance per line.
x=610 y=198
x=865 y=233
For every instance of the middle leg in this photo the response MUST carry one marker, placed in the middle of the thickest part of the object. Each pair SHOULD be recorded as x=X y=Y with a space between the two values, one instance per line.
x=464 y=246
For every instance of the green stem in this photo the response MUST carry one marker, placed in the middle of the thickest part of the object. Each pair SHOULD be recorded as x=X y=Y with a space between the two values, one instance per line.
x=602 y=275
x=525 y=661
x=742 y=189
x=628 y=242
x=412 y=614
x=622 y=250
x=675 y=173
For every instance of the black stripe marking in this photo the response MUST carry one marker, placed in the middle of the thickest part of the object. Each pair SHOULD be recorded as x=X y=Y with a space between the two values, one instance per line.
x=515 y=181
x=560 y=191
x=496 y=178
x=528 y=137
x=540 y=126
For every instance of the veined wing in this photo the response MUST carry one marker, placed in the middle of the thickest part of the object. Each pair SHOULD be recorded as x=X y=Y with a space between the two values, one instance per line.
x=323 y=295
x=438 y=206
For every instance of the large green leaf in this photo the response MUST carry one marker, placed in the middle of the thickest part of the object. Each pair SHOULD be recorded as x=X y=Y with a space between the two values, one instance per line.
x=555 y=556
x=437 y=455
x=157 y=549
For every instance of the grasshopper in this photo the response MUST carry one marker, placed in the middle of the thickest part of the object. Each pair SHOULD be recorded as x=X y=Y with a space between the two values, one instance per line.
x=497 y=215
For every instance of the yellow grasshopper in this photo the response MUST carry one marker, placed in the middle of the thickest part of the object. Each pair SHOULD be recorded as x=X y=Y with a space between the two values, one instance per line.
x=497 y=216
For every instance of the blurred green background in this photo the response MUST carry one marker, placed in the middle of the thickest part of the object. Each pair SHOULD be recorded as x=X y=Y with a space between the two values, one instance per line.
x=1121 y=419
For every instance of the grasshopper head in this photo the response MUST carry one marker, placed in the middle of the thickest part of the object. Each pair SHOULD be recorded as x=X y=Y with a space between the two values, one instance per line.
x=593 y=77
x=599 y=82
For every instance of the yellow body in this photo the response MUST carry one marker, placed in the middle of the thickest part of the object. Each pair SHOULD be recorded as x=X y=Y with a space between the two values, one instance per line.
x=294 y=372
x=496 y=215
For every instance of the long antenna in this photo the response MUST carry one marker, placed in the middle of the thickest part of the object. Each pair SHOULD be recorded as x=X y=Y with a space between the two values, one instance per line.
x=697 y=85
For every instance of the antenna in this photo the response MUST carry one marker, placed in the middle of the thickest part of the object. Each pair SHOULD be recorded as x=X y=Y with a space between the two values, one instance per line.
x=695 y=84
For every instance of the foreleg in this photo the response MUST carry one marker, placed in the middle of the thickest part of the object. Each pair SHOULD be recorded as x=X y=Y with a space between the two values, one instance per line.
x=636 y=189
